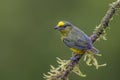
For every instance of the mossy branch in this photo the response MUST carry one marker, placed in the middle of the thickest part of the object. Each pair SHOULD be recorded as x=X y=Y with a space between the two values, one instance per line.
x=105 y=20
x=66 y=66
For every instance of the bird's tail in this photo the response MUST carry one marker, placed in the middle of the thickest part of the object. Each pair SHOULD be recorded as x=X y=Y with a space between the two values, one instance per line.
x=93 y=50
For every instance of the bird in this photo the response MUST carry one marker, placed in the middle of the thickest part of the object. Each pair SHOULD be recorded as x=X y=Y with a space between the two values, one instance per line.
x=74 y=38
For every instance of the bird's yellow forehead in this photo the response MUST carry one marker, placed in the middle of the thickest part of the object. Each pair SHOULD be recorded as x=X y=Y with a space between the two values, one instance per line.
x=60 y=24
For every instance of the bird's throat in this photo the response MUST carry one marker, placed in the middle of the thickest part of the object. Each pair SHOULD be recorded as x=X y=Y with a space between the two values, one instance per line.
x=63 y=33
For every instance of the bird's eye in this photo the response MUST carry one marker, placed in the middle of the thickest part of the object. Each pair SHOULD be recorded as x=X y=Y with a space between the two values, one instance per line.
x=64 y=26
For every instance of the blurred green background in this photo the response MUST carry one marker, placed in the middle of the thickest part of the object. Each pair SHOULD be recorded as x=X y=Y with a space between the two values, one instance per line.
x=29 y=44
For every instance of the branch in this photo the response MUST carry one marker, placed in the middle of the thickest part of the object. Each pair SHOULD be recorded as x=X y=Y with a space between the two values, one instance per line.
x=100 y=30
x=105 y=20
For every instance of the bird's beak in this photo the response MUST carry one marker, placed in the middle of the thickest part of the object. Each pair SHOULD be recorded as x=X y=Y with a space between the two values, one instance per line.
x=56 y=28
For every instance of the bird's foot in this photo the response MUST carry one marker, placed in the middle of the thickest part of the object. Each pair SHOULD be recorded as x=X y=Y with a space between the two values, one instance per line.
x=73 y=58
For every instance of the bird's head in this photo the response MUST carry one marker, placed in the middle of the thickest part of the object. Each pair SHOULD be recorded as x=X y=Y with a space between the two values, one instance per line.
x=63 y=25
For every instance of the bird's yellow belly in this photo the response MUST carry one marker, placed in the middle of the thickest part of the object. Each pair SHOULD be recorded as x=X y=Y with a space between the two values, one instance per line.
x=77 y=51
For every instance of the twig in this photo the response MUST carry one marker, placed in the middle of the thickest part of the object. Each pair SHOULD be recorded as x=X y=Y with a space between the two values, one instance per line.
x=105 y=20
x=103 y=25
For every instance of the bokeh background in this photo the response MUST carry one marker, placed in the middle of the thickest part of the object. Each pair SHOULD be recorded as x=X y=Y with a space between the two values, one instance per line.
x=29 y=44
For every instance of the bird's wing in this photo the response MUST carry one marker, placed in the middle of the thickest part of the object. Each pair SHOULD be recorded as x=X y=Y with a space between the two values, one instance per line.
x=78 y=42
x=81 y=39
x=82 y=44
x=68 y=42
